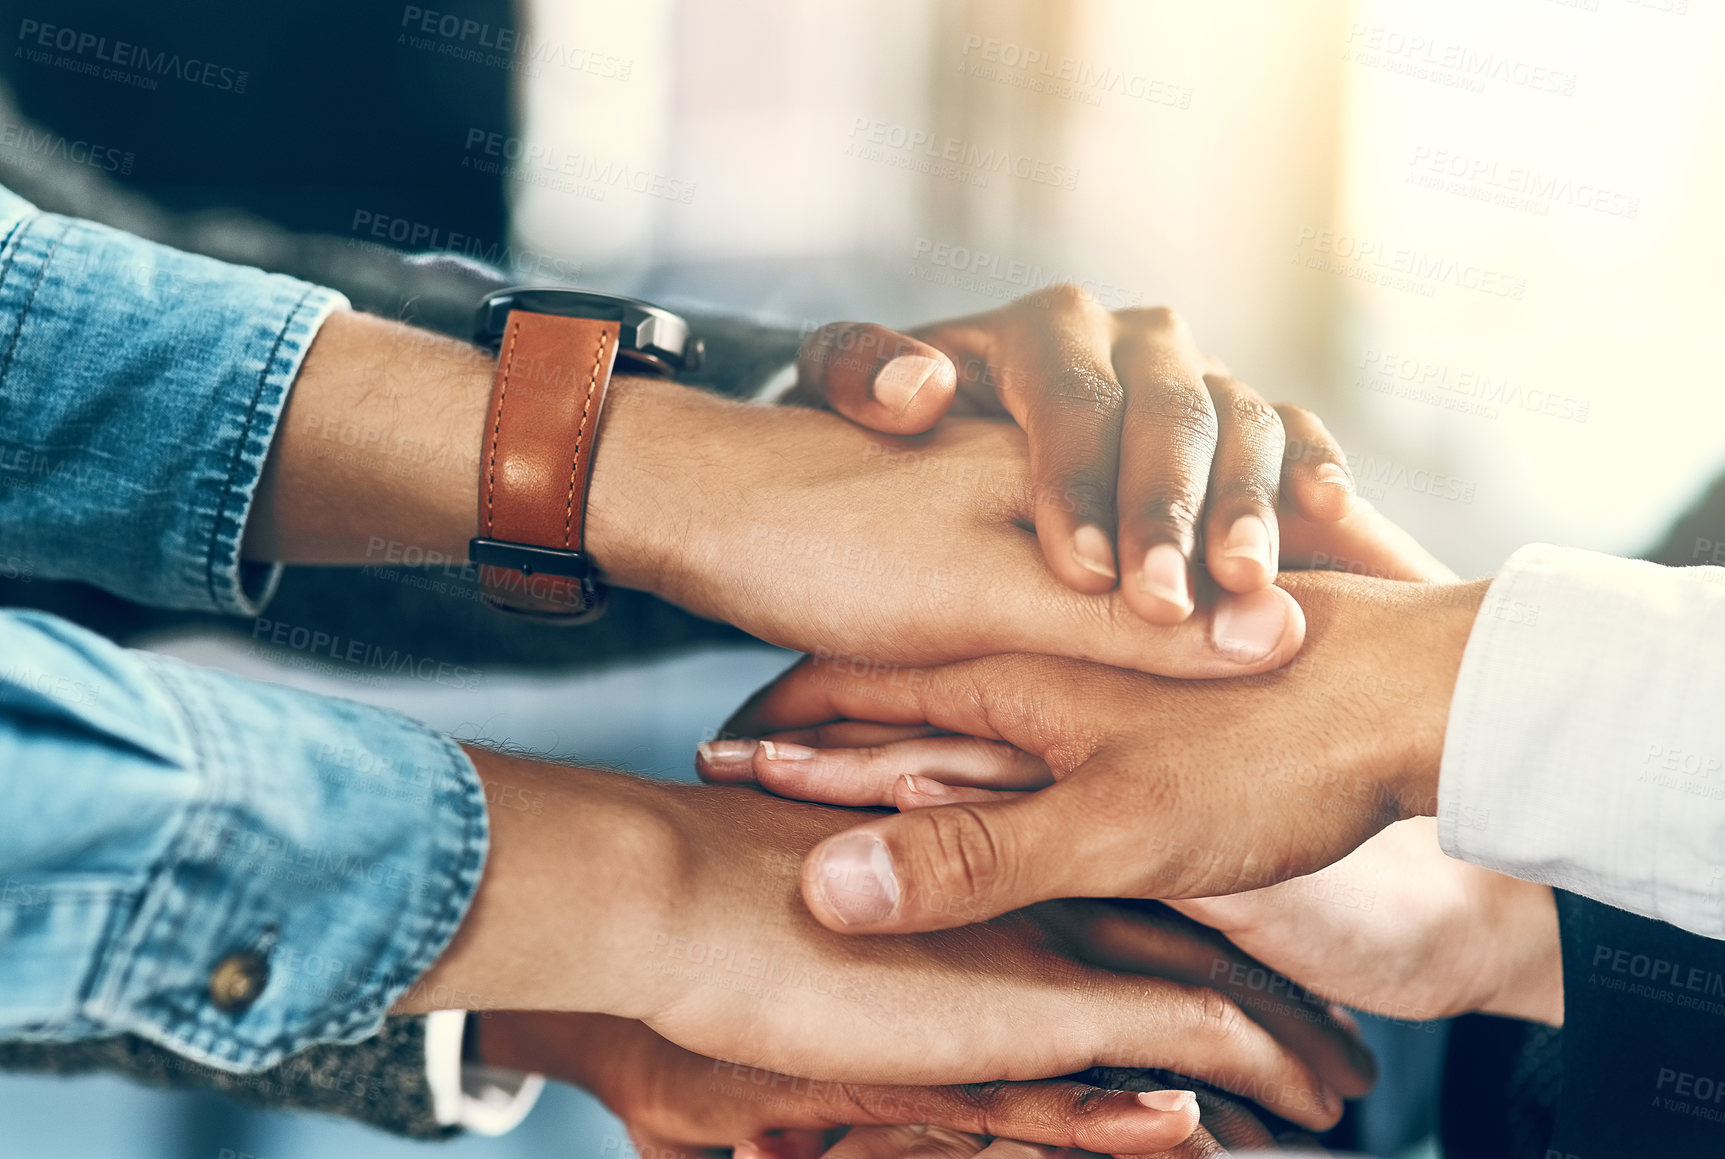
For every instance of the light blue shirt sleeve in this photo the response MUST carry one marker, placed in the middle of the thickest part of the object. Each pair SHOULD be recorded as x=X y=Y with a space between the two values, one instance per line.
x=233 y=870
x=140 y=388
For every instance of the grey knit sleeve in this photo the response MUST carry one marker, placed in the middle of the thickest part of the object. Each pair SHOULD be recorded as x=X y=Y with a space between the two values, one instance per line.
x=380 y=1082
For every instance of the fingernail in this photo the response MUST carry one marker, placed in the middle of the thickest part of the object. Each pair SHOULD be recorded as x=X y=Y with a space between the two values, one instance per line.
x=780 y=751
x=727 y=752
x=1167 y=1100
x=857 y=879
x=746 y=1150
x=1335 y=475
x=1090 y=547
x=1246 y=628
x=1248 y=538
x=925 y=788
x=1165 y=575
x=896 y=383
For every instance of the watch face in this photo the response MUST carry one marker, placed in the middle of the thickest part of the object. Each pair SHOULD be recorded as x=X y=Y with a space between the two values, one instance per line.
x=653 y=338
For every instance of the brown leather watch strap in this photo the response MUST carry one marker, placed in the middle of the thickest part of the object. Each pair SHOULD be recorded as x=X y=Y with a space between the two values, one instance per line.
x=536 y=459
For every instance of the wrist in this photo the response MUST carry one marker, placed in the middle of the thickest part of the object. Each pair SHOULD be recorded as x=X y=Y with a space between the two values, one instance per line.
x=1528 y=979
x=532 y=940
x=579 y=1049
x=378 y=444
x=639 y=483
x=665 y=454
x=1442 y=618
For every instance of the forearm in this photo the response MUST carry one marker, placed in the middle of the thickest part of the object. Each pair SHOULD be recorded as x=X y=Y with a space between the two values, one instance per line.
x=380 y=439
x=381 y=449
x=579 y=872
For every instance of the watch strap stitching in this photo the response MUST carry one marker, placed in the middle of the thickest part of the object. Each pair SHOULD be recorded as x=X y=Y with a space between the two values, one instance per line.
x=497 y=421
x=580 y=441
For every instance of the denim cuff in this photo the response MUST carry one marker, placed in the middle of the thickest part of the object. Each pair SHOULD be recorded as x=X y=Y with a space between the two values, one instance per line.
x=323 y=863
x=141 y=479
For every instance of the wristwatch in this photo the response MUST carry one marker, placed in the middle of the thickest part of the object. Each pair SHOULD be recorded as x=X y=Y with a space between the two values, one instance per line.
x=555 y=353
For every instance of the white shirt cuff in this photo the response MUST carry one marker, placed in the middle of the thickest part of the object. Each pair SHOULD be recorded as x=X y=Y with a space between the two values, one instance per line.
x=780 y=383
x=486 y=1100
x=1586 y=739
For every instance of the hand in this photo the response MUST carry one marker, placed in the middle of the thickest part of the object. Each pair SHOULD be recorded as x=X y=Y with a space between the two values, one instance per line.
x=1399 y=930
x=810 y=532
x=1396 y=928
x=675 y=1102
x=1144 y=453
x=1225 y=1125
x=796 y=526
x=1154 y=788
x=698 y=932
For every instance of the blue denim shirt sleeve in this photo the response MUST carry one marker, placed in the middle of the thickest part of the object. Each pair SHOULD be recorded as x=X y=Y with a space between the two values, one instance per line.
x=160 y=820
x=140 y=388
x=166 y=818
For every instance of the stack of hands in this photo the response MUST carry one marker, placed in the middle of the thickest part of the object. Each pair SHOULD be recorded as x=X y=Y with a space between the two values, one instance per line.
x=1049 y=564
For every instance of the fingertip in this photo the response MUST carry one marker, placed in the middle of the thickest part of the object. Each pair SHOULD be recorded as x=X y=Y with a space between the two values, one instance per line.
x=1257 y=631
x=1081 y=558
x=1242 y=557
x=1114 y=1122
x=1092 y=551
x=1311 y=1102
x=911 y=791
x=1160 y=588
x=1327 y=495
x=914 y=791
x=1331 y=1106
x=912 y=391
x=875 y=376
x=727 y=761
x=1176 y=1112
x=849 y=882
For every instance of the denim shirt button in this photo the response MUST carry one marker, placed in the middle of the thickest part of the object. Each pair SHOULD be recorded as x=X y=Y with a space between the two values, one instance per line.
x=237 y=981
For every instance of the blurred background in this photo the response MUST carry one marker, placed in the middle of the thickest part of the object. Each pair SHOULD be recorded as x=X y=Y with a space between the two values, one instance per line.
x=1482 y=238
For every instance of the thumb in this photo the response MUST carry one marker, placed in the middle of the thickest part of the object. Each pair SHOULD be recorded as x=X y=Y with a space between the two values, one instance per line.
x=936 y=868
x=885 y=380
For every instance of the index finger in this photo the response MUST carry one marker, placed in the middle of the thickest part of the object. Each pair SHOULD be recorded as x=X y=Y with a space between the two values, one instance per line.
x=1056 y=1113
x=884 y=380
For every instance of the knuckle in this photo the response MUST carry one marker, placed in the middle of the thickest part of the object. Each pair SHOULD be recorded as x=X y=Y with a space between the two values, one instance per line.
x=1084 y=494
x=1251 y=413
x=1188 y=414
x=1084 y=1102
x=1249 y=489
x=1065 y=297
x=1218 y=1018
x=1155 y=319
x=985 y=1101
x=1311 y=453
x=1090 y=389
x=965 y=857
x=1176 y=511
